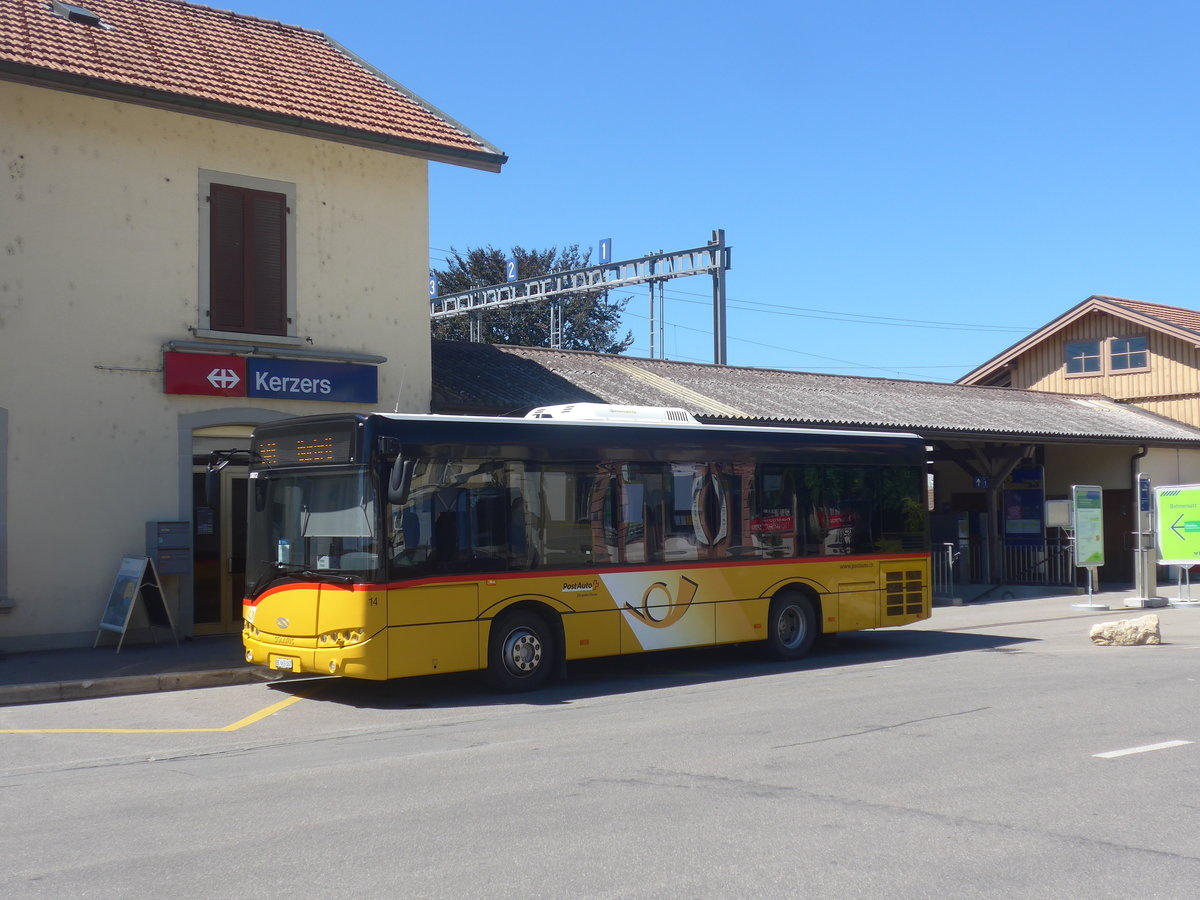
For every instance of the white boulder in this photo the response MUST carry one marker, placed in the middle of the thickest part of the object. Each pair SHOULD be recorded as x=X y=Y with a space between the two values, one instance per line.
x=1127 y=632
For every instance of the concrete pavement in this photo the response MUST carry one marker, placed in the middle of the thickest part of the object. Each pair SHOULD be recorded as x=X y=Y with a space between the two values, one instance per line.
x=53 y=675
x=50 y=675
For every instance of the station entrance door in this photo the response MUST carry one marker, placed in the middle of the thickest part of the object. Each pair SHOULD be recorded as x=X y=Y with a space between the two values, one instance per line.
x=218 y=534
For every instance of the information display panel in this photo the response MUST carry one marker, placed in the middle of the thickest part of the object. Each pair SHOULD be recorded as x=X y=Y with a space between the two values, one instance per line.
x=1177 y=523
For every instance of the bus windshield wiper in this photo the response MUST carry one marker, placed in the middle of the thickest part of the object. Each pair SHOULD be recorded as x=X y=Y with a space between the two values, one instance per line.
x=277 y=570
x=324 y=573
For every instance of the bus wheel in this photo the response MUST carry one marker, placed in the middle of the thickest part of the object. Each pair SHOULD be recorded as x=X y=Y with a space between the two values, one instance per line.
x=520 y=652
x=791 y=626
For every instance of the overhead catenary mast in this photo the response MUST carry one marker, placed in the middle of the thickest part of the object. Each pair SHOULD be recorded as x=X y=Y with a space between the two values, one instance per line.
x=712 y=259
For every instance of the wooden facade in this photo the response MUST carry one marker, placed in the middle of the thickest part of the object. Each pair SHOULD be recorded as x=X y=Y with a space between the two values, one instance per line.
x=1143 y=354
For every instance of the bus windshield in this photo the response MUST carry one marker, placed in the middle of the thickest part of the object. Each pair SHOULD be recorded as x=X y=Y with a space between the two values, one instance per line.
x=314 y=522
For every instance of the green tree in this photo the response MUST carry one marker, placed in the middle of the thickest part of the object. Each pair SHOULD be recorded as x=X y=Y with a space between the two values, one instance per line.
x=590 y=321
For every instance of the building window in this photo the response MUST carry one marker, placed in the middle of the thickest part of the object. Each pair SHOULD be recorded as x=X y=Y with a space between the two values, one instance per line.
x=1113 y=356
x=247 y=264
x=1129 y=353
x=1083 y=357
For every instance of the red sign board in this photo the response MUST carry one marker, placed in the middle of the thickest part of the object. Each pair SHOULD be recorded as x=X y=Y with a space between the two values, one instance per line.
x=204 y=373
x=771 y=524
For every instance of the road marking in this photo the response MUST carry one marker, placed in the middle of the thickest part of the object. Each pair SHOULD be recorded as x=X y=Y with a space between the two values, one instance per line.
x=241 y=723
x=1165 y=745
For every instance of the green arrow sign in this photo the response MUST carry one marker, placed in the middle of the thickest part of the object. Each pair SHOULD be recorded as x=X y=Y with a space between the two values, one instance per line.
x=1177 y=522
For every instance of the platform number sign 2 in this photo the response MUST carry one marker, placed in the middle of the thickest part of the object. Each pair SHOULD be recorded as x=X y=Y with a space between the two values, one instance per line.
x=510 y=270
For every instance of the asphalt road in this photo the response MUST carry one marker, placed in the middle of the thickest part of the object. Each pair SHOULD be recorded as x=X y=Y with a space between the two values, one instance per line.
x=955 y=759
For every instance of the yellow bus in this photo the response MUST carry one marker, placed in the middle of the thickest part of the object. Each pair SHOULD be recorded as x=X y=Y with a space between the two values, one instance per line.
x=385 y=546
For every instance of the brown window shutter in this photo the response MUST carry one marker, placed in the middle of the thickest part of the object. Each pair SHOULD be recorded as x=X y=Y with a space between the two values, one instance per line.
x=227 y=300
x=248 y=247
x=269 y=239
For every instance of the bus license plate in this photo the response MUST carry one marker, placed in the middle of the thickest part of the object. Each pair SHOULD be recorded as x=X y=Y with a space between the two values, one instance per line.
x=282 y=662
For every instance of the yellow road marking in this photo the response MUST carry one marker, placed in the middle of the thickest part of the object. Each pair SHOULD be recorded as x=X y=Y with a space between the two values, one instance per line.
x=241 y=723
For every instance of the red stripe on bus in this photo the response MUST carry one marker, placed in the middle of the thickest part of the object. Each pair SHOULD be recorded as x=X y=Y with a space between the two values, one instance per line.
x=572 y=573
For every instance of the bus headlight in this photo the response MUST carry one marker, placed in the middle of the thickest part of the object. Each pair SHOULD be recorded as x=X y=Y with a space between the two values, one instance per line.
x=343 y=637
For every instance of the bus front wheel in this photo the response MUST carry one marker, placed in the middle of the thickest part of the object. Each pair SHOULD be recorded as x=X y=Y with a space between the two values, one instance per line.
x=520 y=652
x=791 y=626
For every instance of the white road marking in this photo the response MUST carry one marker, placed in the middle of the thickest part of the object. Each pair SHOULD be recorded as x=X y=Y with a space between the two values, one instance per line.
x=1165 y=745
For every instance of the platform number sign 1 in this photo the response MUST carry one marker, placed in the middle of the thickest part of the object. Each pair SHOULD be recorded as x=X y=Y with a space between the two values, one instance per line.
x=605 y=251
x=510 y=270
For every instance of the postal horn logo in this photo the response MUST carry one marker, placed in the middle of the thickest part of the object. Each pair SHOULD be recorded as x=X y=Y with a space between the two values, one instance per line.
x=659 y=609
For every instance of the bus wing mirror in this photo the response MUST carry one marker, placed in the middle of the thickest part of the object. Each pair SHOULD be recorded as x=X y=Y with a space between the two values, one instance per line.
x=217 y=460
x=212 y=488
x=400 y=480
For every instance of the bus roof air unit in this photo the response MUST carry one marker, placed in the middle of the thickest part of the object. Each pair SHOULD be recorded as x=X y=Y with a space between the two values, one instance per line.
x=604 y=412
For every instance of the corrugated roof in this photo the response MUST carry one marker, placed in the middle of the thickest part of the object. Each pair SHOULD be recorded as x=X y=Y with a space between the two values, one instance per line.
x=488 y=378
x=221 y=62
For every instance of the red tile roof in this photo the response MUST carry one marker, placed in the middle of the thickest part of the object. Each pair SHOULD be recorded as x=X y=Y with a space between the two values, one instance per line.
x=1174 y=315
x=219 y=62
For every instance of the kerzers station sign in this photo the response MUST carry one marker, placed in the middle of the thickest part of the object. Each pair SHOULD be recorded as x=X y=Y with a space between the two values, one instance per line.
x=281 y=379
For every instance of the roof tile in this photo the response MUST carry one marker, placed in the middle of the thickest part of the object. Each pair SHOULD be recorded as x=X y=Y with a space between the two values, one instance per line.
x=1175 y=315
x=223 y=57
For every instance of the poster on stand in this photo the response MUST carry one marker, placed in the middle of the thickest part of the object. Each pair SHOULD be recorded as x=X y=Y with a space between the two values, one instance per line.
x=1087 y=504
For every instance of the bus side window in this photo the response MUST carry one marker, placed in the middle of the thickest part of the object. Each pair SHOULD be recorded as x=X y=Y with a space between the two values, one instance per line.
x=565 y=529
x=517 y=535
x=410 y=527
x=774 y=523
x=490 y=524
x=445 y=538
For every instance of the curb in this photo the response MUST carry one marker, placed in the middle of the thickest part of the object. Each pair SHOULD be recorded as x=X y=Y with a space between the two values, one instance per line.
x=56 y=691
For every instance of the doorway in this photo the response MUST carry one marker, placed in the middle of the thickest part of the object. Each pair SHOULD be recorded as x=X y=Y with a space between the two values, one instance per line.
x=219 y=552
x=218 y=534
x=1118 y=537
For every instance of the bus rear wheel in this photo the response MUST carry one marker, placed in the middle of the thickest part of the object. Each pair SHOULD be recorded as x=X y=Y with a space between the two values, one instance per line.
x=520 y=652
x=791 y=626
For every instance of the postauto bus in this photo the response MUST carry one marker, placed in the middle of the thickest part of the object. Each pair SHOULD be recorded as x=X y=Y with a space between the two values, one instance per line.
x=384 y=546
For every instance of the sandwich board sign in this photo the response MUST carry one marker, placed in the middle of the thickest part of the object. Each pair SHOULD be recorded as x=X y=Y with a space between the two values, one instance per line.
x=136 y=578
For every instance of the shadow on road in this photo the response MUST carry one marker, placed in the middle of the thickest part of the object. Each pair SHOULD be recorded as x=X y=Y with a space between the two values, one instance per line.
x=644 y=671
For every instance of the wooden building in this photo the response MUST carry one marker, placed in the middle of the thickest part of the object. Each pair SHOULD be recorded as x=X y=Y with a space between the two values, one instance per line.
x=1144 y=354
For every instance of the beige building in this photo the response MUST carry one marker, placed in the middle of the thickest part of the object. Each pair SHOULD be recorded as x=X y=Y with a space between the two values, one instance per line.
x=193 y=242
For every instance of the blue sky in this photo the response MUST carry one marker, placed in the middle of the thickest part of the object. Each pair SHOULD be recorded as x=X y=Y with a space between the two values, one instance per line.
x=909 y=188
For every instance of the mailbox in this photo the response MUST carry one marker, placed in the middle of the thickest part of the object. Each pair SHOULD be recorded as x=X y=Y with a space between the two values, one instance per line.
x=169 y=544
